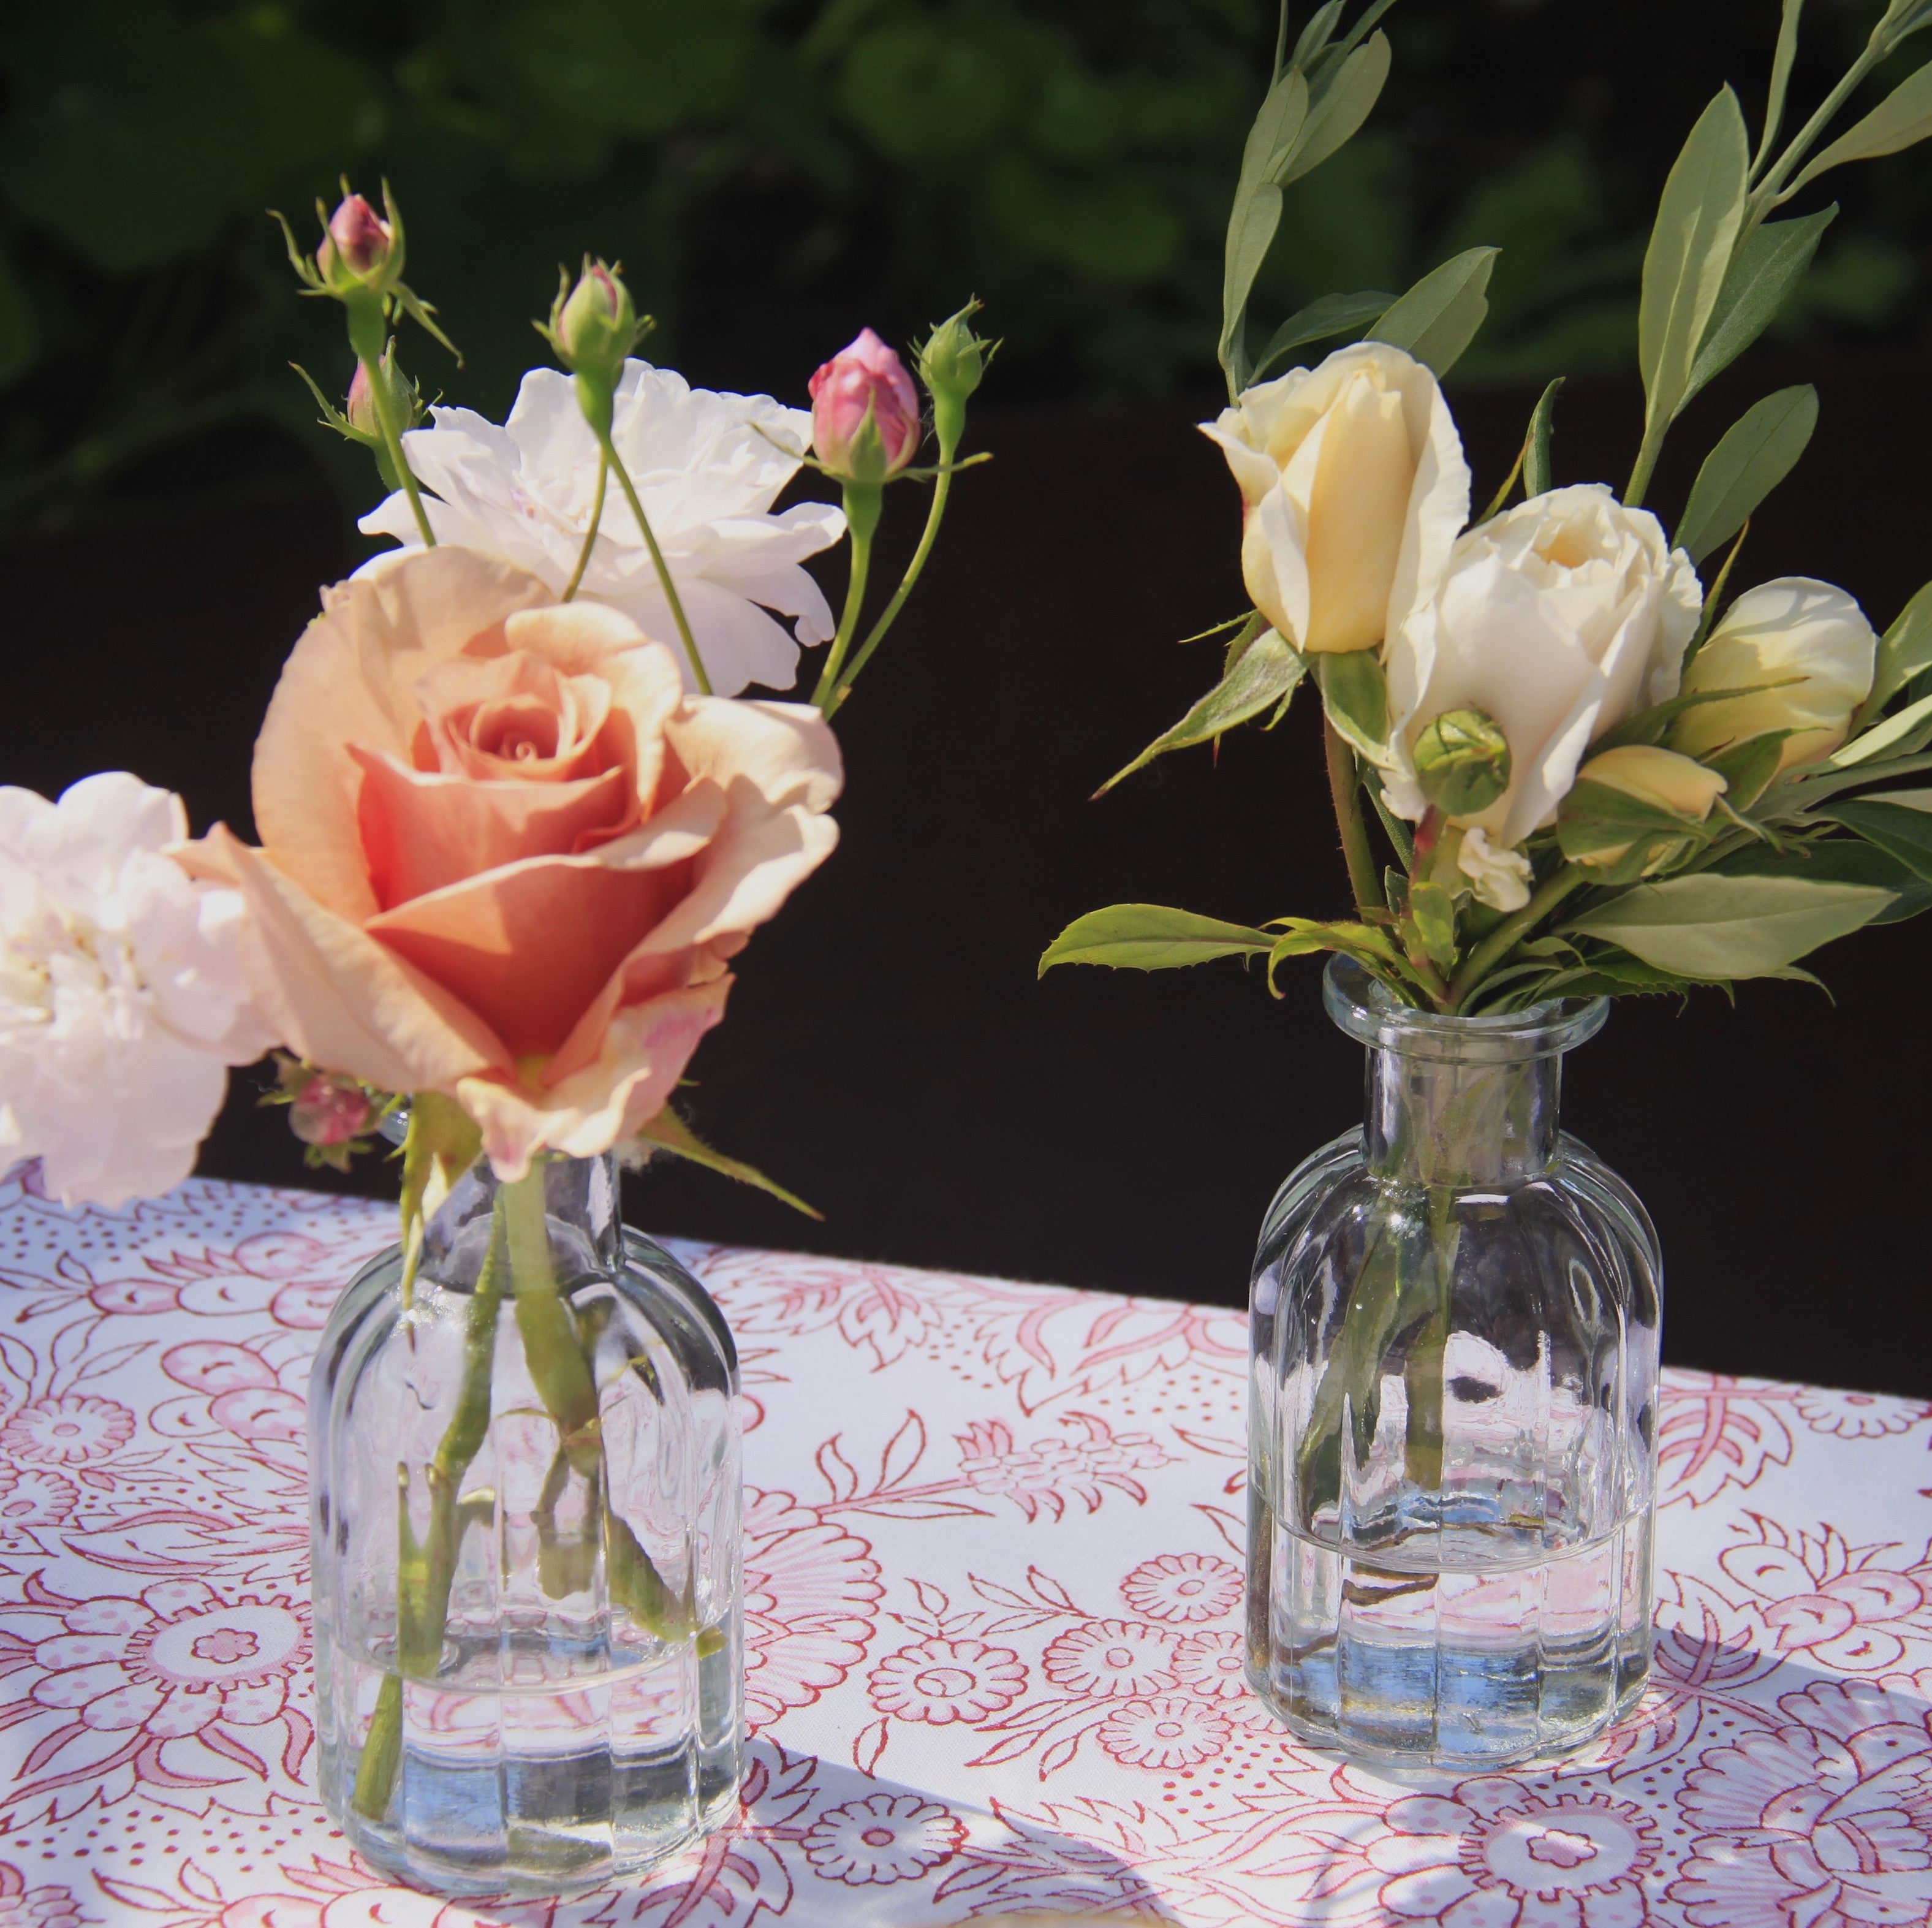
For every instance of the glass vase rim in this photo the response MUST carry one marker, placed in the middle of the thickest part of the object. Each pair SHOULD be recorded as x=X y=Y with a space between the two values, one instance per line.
x=1366 y=1009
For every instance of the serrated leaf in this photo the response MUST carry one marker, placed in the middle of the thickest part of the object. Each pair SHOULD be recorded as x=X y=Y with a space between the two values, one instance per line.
x=1367 y=945
x=1757 y=452
x=1767 y=267
x=1904 y=651
x=1903 y=830
x=1355 y=692
x=1902 y=735
x=670 y=1132
x=1331 y=314
x=1901 y=120
x=1713 y=925
x=1438 y=318
x=1536 y=475
x=1335 y=114
x=1265 y=673
x=1149 y=937
x=1698 y=217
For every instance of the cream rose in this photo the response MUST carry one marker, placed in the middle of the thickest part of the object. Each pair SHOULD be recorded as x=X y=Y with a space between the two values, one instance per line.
x=1808 y=637
x=504 y=857
x=1353 y=487
x=1661 y=778
x=1557 y=619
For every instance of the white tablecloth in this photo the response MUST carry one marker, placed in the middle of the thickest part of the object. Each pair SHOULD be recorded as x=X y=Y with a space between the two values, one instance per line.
x=994 y=1538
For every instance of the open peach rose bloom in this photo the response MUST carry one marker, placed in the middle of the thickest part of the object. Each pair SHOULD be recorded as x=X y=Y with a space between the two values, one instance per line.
x=504 y=857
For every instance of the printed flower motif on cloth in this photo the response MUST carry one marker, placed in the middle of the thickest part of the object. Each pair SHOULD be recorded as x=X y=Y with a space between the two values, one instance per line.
x=962 y=1707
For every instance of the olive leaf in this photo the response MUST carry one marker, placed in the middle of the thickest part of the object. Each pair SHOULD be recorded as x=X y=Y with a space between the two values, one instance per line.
x=1698 y=218
x=1767 y=267
x=1897 y=821
x=1902 y=735
x=1149 y=937
x=1904 y=652
x=1328 y=315
x=1757 y=452
x=1901 y=120
x=1536 y=475
x=1438 y=318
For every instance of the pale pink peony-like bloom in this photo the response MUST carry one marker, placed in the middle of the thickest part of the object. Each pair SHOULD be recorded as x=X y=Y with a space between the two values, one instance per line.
x=123 y=998
x=864 y=375
x=506 y=857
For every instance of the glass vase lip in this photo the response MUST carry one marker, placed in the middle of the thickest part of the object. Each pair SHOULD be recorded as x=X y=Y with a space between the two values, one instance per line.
x=1370 y=1013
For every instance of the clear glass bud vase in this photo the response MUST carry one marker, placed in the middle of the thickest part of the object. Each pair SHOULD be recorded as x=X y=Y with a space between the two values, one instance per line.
x=1451 y=1422
x=524 y=1519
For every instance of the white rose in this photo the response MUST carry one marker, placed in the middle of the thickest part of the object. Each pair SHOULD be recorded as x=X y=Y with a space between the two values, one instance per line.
x=1558 y=619
x=1812 y=638
x=1353 y=487
x=708 y=467
x=122 y=996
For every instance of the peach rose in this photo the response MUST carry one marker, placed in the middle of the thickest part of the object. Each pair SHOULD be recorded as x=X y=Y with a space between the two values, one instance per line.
x=504 y=857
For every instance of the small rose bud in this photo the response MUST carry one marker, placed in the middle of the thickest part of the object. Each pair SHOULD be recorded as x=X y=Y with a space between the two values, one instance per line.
x=864 y=412
x=1656 y=779
x=596 y=326
x=952 y=365
x=358 y=241
x=1462 y=763
x=328 y=1111
x=361 y=406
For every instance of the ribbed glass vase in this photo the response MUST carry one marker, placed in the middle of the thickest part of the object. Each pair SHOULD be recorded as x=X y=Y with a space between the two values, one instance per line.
x=525 y=1528
x=1452 y=1455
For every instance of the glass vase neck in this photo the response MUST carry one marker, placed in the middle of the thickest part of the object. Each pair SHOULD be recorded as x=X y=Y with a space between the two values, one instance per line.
x=1458 y=1102
x=581 y=1205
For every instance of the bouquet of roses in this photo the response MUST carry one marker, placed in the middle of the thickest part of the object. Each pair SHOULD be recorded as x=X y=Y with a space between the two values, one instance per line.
x=1593 y=767
x=516 y=818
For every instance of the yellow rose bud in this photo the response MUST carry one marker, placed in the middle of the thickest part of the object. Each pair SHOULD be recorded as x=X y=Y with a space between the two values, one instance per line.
x=1354 y=487
x=1659 y=777
x=1800 y=654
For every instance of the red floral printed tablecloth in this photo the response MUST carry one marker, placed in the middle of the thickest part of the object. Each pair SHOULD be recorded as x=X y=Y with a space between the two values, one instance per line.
x=994 y=1537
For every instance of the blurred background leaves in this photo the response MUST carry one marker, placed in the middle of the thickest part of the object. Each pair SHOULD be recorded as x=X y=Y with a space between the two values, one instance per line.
x=773 y=173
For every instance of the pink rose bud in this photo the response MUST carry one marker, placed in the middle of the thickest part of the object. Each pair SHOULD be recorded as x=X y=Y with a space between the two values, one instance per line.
x=330 y=1111
x=358 y=237
x=361 y=406
x=864 y=383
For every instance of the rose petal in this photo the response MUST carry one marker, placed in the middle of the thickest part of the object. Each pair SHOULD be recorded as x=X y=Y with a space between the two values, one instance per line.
x=341 y=999
x=348 y=681
x=529 y=947
x=646 y=1048
x=422 y=831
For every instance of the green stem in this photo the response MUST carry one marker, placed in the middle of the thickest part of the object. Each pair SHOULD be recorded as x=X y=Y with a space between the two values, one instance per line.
x=1646 y=464
x=1502 y=940
x=1344 y=791
x=590 y=535
x=425 y=1575
x=367 y=333
x=609 y=453
x=1769 y=191
x=941 y=487
x=863 y=501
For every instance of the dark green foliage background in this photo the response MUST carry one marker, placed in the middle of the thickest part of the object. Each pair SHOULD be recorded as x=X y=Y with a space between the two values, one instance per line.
x=773 y=172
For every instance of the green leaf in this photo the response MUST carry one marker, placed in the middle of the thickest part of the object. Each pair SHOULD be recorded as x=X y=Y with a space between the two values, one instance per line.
x=1434 y=912
x=1149 y=937
x=1756 y=454
x=1355 y=692
x=1439 y=317
x=1746 y=767
x=1713 y=925
x=1648 y=726
x=1339 y=108
x=1536 y=476
x=1840 y=860
x=1768 y=265
x=1331 y=314
x=1904 y=651
x=1781 y=64
x=1902 y=735
x=1266 y=672
x=1901 y=120
x=1256 y=213
x=1367 y=945
x=1683 y=268
x=1903 y=830
x=669 y=1133
x=1315 y=36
